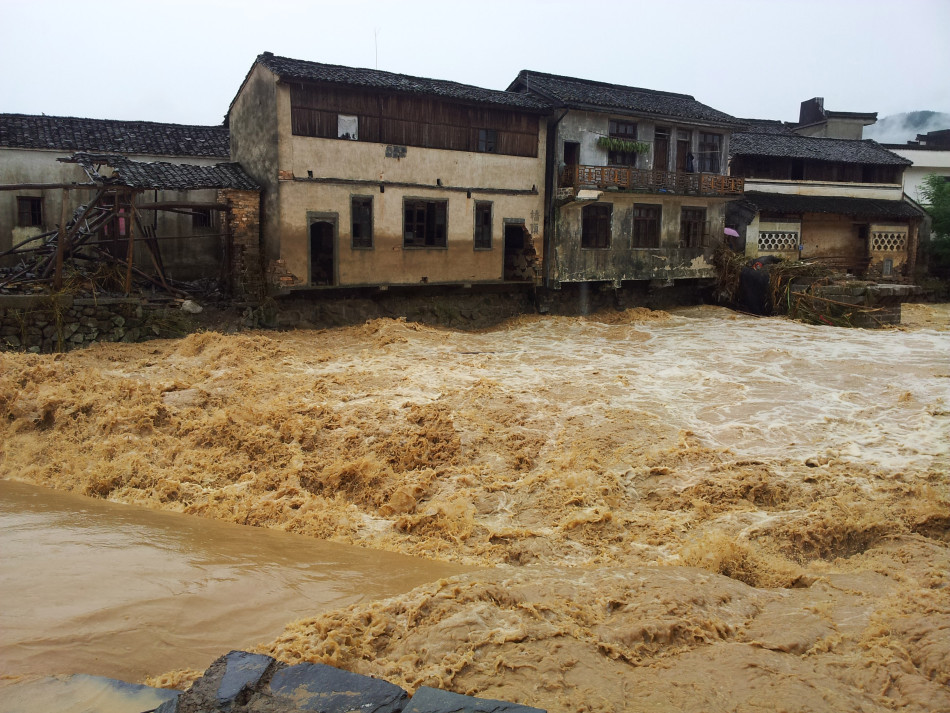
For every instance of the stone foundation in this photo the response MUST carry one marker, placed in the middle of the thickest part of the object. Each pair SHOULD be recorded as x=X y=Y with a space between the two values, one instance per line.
x=57 y=324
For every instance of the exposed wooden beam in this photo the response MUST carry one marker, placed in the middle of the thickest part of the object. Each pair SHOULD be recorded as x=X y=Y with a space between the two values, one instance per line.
x=173 y=206
x=45 y=186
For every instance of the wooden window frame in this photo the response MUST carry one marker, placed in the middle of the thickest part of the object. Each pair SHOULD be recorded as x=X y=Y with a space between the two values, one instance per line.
x=710 y=152
x=428 y=226
x=361 y=221
x=692 y=227
x=626 y=130
x=488 y=141
x=29 y=210
x=647 y=219
x=482 y=239
x=596 y=224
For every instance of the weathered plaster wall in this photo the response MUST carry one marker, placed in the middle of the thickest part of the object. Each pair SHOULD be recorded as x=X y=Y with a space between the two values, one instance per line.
x=388 y=262
x=621 y=261
x=830 y=236
x=586 y=128
x=889 y=242
x=252 y=120
x=320 y=176
x=835 y=128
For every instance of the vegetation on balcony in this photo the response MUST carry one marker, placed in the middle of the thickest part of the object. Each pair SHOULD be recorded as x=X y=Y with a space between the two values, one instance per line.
x=613 y=144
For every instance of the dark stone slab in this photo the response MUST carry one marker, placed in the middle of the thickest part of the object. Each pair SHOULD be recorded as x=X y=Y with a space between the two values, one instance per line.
x=243 y=672
x=433 y=700
x=316 y=687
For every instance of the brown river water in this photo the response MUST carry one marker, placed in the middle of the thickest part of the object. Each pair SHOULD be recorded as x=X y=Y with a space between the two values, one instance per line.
x=696 y=511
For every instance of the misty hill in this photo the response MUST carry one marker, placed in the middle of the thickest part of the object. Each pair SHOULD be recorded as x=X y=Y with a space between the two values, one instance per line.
x=901 y=128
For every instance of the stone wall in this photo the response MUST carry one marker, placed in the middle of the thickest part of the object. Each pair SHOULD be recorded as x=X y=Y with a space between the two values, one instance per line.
x=53 y=324
x=878 y=305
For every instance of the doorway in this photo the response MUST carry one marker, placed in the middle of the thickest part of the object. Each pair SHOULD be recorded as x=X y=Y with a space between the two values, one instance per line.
x=519 y=264
x=661 y=148
x=322 y=253
x=683 y=154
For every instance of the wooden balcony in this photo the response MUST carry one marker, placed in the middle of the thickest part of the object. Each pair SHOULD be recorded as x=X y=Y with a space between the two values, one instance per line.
x=649 y=181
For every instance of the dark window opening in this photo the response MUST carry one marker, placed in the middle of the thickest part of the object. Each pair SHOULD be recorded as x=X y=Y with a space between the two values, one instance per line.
x=572 y=153
x=798 y=170
x=361 y=220
x=29 y=211
x=482 y=226
x=202 y=218
x=487 y=140
x=646 y=226
x=710 y=150
x=519 y=253
x=692 y=227
x=683 y=155
x=321 y=253
x=627 y=131
x=595 y=226
x=424 y=224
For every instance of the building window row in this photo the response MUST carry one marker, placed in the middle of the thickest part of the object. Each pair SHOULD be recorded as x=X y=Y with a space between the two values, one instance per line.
x=425 y=223
x=596 y=222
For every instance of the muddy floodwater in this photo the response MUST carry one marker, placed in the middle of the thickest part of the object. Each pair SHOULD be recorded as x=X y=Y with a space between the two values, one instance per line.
x=90 y=586
x=693 y=511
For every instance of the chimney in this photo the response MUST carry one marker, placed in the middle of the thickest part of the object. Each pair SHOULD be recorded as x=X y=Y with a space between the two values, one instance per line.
x=812 y=111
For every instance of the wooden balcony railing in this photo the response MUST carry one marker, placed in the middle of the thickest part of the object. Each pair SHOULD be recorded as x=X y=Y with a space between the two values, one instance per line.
x=649 y=181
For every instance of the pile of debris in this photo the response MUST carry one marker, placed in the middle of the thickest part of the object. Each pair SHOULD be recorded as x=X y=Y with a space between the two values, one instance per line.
x=811 y=292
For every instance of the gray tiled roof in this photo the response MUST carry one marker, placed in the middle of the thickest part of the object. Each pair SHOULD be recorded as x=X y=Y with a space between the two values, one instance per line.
x=856 y=207
x=766 y=126
x=67 y=133
x=861 y=151
x=585 y=93
x=301 y=70
x=162 y=175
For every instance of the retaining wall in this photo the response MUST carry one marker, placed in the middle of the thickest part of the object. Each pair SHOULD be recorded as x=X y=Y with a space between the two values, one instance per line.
x=51 y=324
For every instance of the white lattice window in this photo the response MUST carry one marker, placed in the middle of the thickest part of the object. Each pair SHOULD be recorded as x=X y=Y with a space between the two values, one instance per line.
x=773 y=241
x=888 y=241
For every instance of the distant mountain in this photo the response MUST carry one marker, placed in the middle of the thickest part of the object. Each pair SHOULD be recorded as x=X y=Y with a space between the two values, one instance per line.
x=901 y=128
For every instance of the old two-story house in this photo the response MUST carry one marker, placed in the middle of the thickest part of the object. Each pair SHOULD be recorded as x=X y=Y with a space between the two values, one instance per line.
x=637 y=182
x=30 y=167
x=834 y=200
x=378 y=179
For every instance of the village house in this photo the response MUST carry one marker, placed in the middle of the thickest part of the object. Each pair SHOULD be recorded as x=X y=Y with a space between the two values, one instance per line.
x=378 y=179
x=929 y=154
x=816 y=197
x=31 y=149
x=637 y=182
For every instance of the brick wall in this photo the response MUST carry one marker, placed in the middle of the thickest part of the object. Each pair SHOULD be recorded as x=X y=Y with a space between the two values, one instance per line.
x=244 y=228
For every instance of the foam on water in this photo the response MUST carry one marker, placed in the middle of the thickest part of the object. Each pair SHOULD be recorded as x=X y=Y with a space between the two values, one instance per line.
x=666 y=497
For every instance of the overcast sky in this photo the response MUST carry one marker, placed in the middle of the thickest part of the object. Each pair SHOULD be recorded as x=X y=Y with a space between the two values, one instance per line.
x=183 y=61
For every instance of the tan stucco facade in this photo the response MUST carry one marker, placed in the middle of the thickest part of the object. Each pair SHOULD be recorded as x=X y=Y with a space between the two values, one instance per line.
x=310 y=180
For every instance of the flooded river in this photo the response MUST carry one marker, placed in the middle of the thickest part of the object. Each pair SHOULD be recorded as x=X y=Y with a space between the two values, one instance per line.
x=696 y=511
x=95 y=587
